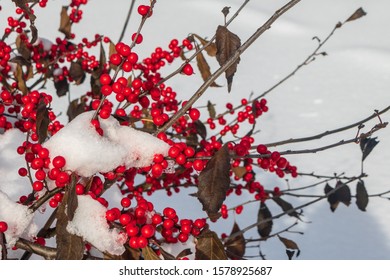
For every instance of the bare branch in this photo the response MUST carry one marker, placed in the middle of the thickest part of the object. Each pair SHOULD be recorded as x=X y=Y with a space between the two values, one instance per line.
x=230 y=62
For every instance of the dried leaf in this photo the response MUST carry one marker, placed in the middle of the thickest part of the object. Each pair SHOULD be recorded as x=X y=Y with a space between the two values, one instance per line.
x=226 y=11
x=239 y=171
x=291 y=247
x=22 y=48
x=367 y=145
x=209 y=247
x=343 y=193
x=76 y=72
x=264 y=227
x=184 y=253
x=204 y=68
x=357 y=14
x=227 y=44
x=214 y=181
x=22 y=61
x=129 y=254
x=19 y=76
x=69 y=246
x=76 y=107
x=286 y=206
x=102 y=57
x=200 y=129
x=211 y=109
x=65 y=23
x=149 y=254
x=23 y=4
x=361 y=196
x=235 y=248
x=62 y=87
x=42 y=121
x=332 y=198
x=210 y=49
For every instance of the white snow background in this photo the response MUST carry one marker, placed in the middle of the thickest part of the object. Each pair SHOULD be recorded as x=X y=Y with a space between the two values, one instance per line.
x=334 y=91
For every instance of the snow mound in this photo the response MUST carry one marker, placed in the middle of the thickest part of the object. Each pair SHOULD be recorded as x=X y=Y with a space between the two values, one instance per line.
x=86 y=152
x=18 y=218
x=90 y=223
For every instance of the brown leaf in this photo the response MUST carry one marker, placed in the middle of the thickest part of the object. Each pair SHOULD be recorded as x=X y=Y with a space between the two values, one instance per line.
x=235 y=248
x=213 y=182
x=357 y=14
x=19 y=76
x=75 y=108
x=210 y=49
x=72 y=202
x=361 y=196
x=42 y=121
x=69 y=246
x=22 y=48
x=23 y=4
x=102 y=58
x=149 y=254
x=226 y=11
x=22 y=61
x=204 y=68
x=227 y=44
x=343 y=193
x=209 y=247
x=239 y=171
x=211 y=109
x=200 y=129
x=62 y=87
x=332 y=198
x=291 y=247
x=65 y=23
x=264 y=226
x=76 y=72
x=286 y=206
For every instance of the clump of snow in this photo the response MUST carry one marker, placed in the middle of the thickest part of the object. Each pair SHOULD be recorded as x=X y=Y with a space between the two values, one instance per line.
x=90 y=223
x=18 y=218
x=10 y=181
x=86 y=152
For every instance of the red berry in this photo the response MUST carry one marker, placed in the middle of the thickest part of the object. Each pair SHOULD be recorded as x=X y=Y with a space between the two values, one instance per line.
x=157 y=170
x=105 y=79
x=3 y=226
x=148 y=231
x=139 y=38
x=187 y=69
x=37 y=186
x=182 y=237
x=194 y=114
x=143 y=10
x=198 y=165
x=262 y=149
x=126 y=202
x=59 y=162
x=80 y=189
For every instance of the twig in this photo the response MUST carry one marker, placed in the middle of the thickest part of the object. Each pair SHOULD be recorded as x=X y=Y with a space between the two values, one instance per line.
x=232 y=236
x=224 y=67
x=46 y=252
x=126 y=21
x=3 y=247
x=275 y=234
x=328 y=132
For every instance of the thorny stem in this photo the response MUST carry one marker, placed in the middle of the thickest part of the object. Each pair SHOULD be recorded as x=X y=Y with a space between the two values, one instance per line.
x=228 y=63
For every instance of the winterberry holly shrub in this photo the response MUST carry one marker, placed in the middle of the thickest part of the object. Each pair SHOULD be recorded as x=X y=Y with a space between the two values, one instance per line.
x=132 y=134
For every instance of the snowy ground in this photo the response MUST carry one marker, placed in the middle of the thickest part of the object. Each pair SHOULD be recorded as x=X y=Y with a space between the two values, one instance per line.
x=344 y=87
